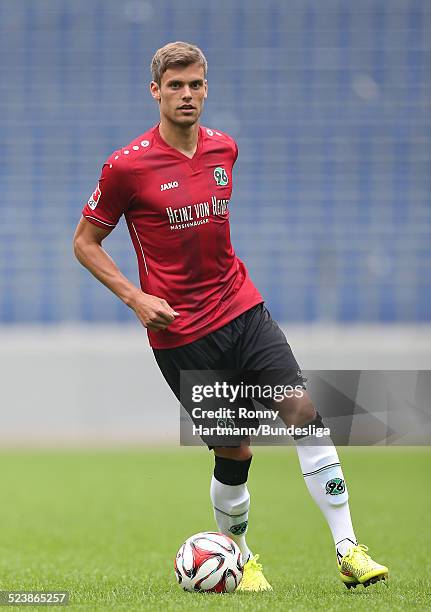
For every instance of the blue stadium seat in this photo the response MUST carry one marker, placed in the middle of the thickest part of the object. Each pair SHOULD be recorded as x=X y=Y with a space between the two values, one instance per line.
x=329 y=102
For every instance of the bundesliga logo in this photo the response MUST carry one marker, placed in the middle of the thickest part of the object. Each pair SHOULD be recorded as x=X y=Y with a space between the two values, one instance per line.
x=95 y=197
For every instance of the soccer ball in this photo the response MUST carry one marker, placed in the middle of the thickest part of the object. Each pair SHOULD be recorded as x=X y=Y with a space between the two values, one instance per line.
x=209 y=562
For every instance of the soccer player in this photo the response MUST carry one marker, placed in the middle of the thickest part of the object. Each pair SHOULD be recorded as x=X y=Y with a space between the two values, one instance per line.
x=202 y=311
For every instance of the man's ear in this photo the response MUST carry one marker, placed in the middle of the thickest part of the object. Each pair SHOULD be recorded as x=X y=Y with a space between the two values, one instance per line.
x=155 y=90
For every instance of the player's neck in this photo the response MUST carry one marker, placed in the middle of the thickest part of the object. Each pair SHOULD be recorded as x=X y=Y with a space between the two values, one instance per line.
x=182 y=138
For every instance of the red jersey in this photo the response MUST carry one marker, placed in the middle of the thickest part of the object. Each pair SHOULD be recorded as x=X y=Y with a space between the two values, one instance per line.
x=177 y=212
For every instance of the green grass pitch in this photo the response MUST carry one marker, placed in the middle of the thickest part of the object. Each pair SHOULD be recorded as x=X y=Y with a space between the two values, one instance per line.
x=105 y=525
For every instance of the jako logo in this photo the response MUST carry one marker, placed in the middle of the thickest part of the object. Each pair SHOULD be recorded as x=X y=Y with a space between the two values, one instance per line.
x=170 y=185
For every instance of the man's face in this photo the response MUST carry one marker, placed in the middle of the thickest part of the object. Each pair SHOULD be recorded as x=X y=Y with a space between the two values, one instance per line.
x=181 y=94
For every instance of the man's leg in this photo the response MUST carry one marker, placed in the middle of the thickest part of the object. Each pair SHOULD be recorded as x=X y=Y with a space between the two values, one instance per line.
x=264 y=348
x=231 y=502
x=229 y=493
x=325 y=481
x=320 y=467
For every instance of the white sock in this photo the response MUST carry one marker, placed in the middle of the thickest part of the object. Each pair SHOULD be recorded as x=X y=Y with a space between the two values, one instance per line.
x=324 y=478
x=231 y=504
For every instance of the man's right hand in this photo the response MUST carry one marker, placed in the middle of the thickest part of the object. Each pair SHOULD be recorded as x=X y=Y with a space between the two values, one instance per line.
x=153 y=312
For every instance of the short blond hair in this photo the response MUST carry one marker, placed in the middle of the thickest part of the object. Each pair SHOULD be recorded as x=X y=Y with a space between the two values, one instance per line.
x=176 y=54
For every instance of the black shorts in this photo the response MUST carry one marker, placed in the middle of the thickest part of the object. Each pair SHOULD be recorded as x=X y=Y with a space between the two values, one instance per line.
x=251 y=342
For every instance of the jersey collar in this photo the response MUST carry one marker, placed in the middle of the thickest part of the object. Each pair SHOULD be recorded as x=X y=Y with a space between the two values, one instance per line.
x=191 y=160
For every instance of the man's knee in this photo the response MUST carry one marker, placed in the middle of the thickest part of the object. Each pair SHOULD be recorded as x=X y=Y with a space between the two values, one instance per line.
x=297 y=411
x=308 y=413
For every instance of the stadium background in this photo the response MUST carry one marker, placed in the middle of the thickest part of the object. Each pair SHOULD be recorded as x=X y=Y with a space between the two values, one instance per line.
x=330 y=209
x=330 y=108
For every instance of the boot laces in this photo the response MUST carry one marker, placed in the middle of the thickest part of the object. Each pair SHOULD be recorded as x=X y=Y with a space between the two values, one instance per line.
x=253 y=563
x=358 y=550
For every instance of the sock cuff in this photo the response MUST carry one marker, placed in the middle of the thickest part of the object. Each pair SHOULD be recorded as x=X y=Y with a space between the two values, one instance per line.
x=317 y=422
x=231 y=471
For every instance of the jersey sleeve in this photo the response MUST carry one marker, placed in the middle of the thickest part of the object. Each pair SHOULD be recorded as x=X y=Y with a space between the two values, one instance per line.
x=235 y=155
x=111 y=198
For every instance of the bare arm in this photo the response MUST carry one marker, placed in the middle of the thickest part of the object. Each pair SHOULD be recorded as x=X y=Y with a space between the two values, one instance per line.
x=153 y=312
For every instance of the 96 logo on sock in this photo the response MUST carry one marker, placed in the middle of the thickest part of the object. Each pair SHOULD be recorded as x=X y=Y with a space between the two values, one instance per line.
x=335 y=486
x=239 y=529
